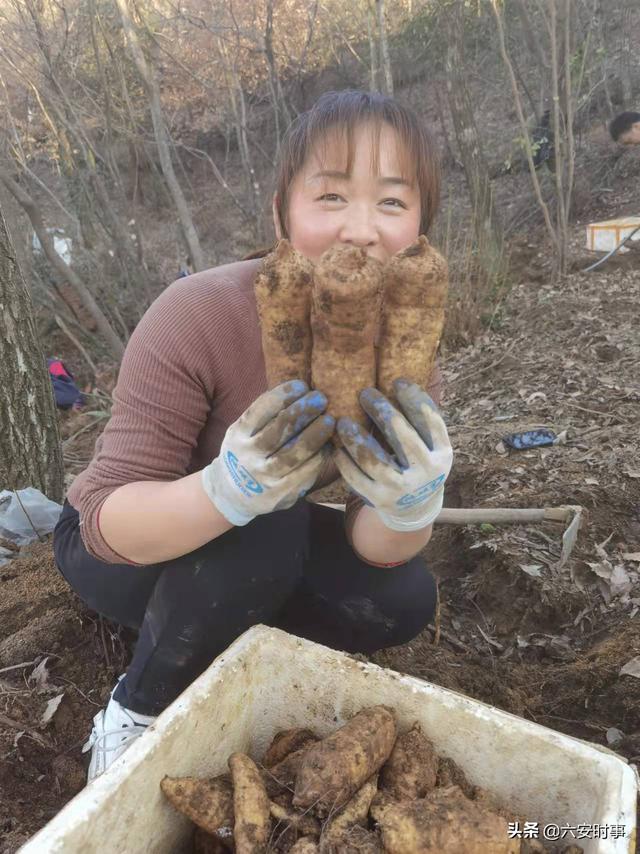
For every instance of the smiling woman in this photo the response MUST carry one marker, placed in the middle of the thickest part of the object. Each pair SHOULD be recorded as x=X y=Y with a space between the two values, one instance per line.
x=189 y=523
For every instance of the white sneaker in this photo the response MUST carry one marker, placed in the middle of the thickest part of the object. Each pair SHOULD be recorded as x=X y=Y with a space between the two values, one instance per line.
x=114 y=730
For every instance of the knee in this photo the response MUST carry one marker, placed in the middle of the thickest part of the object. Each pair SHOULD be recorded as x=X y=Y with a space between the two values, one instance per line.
x=396 y=616
x=412 y=608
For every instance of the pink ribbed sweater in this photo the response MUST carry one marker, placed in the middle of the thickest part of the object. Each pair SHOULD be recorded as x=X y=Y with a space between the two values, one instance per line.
x=192 y=366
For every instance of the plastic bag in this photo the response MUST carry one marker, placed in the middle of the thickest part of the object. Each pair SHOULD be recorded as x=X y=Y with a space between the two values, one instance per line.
x=18 y=507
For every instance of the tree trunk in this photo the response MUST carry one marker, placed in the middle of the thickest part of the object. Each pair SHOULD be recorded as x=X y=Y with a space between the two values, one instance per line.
x=30 y=450
x=625 y=54
x=239 y=109
x=275 y=88
x=487 y=227
x=373 y=54
x=531 y=38
x=384 y=49
x=161 y=135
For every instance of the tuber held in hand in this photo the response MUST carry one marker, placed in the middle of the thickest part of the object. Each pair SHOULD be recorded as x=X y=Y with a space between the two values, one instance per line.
x=414 y=299
x=283 y=298
x=345 y=309
x=333 y=770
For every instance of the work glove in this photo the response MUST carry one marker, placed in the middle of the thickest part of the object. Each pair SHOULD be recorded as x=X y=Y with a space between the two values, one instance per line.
x=272 y=455
x=405 y=489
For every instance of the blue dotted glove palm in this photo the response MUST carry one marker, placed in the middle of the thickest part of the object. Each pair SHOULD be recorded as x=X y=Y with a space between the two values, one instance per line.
x=272 y=455
x=406 y=489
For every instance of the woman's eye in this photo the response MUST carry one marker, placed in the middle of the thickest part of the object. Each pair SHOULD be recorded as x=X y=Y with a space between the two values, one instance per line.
x=329 y=197
x=396 y=202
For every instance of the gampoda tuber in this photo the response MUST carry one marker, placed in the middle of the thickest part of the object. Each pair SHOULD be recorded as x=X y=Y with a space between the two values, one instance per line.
x=345 y=308
x=283 y=298
x=414 y=298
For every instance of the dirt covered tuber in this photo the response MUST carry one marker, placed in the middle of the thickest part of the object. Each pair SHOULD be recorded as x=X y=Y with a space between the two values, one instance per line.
x=363 y=789
x=411 y=770
x=303 y=823
x=284 y=773
x=208 y=803
x=333 y=770
x=354 y=814
x=283 y=297
x=305 y=845
x=345 y=308
x=414 y=299
x=286 y=742
x=451 y=774
x=444 y=823
x=252 y=823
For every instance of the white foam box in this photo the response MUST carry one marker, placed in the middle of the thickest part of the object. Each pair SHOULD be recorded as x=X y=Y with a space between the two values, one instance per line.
x=606 y=235
x=269 y=680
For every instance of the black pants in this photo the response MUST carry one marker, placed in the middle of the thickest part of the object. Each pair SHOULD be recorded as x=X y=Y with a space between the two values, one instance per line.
x=292 y=569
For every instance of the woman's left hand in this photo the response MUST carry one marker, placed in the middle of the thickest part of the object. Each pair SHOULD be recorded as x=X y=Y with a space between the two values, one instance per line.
x=406 y=489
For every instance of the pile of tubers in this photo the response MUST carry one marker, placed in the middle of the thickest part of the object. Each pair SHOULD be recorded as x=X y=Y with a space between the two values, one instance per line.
x=350 y=322
x=363 y=789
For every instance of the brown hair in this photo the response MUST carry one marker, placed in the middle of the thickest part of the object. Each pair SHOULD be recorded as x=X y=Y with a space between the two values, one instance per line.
x=342 y=113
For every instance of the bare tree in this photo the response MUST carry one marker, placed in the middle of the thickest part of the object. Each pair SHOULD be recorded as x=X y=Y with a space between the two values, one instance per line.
x=373 y=54
x=558 y=21
x=626 y=51
x=30 y=450
x=278 y=99
x=384 y=49
x=161 y=135
x=238 y=105
x=486 y=225
x=60 y=267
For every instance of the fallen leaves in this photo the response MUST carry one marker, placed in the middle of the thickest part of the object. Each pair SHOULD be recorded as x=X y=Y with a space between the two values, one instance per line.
x=631 y=668
x=51 y=709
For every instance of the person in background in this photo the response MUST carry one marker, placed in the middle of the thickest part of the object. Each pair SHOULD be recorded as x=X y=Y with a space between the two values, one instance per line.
x=625 y=128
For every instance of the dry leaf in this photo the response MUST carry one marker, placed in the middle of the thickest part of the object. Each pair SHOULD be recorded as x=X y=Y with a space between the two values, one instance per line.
x=631 y=668
x=570 y=536
x=51 y=709
x=40 y=676
x=635 y=556
x=534 y=569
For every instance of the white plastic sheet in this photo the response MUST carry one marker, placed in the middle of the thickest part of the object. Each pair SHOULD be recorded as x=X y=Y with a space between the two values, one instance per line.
x=26 y=514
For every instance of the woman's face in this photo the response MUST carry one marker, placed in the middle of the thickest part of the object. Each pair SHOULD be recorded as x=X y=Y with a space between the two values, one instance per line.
x=379 y=213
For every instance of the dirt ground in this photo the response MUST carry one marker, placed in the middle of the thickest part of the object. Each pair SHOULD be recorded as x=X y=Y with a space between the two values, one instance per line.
x=516 y=628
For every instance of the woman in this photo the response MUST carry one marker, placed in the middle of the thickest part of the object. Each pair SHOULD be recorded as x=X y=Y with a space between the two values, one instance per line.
x=158 y=533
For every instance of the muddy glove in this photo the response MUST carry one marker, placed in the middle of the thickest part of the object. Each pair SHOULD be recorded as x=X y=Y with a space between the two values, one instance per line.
x=406 y=489
x=271 y=455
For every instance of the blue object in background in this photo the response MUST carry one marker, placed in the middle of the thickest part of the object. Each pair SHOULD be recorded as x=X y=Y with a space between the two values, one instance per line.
x=65 y=391
x=530 y=439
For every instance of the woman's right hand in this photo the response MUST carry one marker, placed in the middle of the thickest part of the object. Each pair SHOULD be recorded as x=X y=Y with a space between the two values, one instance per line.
x=272 y=455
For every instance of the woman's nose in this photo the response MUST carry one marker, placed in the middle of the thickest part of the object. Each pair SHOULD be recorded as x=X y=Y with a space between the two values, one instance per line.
x=359 y=227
